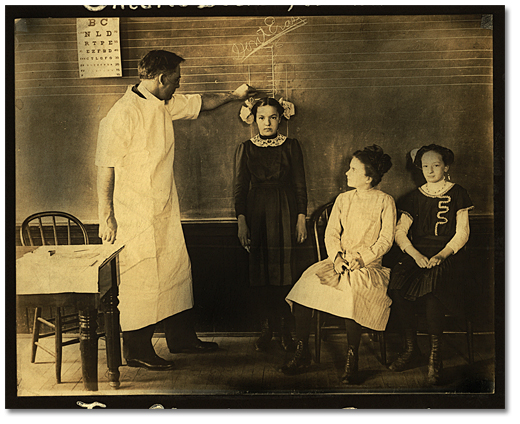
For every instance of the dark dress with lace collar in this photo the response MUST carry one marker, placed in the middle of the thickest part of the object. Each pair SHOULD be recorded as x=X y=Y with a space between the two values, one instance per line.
x=270 y=191
x=434 y=223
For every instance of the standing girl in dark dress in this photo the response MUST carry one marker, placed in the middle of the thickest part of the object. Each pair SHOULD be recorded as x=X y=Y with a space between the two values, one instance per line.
x=431 y=232
x=271 y=206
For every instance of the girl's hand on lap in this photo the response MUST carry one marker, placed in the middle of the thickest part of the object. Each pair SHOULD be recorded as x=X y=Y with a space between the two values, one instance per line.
x=435 y=260
x=440 y=257
x=356 y=264
x=421 y=261
x=418 y=257
x=340 y=264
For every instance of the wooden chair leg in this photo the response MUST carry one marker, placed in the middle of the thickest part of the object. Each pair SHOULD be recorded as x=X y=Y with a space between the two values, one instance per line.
x=35 y=333
x=317 y=337
x=382 y=347
x=469 y=335
x=58 y=339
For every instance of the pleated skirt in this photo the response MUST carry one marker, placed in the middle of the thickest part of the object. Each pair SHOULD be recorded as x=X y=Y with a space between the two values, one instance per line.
x=446 y=281
x=360 y=295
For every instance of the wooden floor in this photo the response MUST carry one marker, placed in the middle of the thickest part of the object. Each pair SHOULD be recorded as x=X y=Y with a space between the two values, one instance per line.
x=237 y=368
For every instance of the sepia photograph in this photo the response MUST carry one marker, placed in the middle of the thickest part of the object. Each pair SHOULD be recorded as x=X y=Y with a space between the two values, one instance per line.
x=255 y=207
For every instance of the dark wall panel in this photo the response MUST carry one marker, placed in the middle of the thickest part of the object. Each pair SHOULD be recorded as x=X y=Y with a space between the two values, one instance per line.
x=224 y=301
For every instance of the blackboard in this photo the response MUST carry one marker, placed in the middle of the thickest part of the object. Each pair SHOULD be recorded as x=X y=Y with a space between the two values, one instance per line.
x=400 y=81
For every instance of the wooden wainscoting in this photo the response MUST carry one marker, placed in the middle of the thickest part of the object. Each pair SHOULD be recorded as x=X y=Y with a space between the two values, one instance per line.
x=224 y=303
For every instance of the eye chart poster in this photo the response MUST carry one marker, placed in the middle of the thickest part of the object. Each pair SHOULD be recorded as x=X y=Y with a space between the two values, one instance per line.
x=99 y=54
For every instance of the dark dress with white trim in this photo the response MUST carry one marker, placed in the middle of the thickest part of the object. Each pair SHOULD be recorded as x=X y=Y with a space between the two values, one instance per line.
x=434 y=224
x=270 y=191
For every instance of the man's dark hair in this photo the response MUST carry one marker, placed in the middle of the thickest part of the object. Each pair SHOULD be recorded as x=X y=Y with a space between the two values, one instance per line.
x=158 y=62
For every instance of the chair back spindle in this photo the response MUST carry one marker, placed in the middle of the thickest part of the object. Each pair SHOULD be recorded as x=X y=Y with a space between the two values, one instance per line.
x=57 y=220
x=320 y=218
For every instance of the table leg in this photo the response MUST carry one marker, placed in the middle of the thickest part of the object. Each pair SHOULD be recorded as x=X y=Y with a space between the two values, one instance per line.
x=109 y=304
x=89 y=347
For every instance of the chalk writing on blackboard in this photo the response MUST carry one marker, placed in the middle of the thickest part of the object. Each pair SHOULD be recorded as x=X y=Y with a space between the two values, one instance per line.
x=99 y=52
x=266 y=36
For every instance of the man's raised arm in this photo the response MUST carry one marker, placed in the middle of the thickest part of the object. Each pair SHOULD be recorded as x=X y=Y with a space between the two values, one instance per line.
x=213 y=100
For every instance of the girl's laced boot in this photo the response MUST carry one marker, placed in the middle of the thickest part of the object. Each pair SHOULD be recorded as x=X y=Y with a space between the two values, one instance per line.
x=286 y=339
x=351 y=366
x=411 y=352
x=435 y=360
x=262 y=343
x=301 y=360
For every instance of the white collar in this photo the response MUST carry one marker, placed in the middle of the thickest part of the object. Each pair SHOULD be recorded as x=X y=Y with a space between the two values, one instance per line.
x=146 y=93
x=367 y=192
x=437 y=190
x=268 y=142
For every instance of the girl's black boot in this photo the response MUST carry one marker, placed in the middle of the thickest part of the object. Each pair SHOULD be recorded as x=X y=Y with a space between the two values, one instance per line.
x=351 y=366
x=435 y=360
x=286 y=339
x=301 y=360
x=411 y=352
x=262 y=343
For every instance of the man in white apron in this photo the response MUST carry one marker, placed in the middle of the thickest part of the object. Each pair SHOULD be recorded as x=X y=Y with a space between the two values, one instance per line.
x=138 y=205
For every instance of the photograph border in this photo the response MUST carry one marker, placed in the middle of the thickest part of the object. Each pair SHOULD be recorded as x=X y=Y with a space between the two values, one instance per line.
x=256 y=400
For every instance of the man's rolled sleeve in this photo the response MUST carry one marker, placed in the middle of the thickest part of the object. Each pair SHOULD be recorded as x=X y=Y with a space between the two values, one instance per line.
x=184 y=106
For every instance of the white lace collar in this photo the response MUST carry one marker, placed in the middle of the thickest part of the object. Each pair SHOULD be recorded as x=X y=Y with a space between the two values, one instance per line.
x=268 y=142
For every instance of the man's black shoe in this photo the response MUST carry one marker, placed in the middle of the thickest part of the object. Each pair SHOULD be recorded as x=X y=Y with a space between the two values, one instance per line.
x=154 y=364
x=199 y=347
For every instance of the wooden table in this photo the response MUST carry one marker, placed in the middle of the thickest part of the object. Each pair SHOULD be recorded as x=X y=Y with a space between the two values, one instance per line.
x=103 y=297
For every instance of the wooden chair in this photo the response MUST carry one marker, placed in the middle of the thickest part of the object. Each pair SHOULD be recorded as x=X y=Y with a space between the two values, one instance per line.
x=319 y=220
x=49 y=228
x=453 y=327
x=468 y=331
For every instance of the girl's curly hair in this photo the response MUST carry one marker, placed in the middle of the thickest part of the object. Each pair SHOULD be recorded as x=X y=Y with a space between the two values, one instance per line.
x=376 y=161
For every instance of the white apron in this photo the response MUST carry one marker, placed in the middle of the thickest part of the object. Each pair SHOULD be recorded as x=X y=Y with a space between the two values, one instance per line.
x=137 y=139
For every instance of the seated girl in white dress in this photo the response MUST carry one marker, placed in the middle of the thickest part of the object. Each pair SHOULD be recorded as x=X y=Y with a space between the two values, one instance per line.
x=351 y=283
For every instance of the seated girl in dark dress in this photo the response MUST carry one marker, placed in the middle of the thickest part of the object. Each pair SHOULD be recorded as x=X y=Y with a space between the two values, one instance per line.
x=271 y=206
x=431 y=232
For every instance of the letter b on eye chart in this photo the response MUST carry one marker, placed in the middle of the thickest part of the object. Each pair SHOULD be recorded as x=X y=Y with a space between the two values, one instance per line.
x=99 y=51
